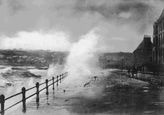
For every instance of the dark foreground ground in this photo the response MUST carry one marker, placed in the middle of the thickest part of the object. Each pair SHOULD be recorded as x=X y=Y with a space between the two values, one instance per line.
x=110 y=94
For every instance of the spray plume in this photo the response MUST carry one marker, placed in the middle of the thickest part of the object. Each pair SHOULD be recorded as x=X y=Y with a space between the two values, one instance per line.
x=54 y=70
x=81 y=63
x=82 y=59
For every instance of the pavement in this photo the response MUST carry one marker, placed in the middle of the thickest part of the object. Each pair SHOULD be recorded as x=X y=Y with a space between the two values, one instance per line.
x=107 y=94
x=62 y=98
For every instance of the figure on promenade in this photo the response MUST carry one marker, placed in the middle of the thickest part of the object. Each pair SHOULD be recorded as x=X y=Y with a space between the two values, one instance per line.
x=134 y=71
x=128 y=71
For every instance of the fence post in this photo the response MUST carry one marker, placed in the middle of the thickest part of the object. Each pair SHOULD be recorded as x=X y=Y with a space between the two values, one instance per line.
x=46 y=86
x=60 y=78
x=24 y=99
x=2 y=99
x=57 y=81
x=37 y=92
x=53 y=83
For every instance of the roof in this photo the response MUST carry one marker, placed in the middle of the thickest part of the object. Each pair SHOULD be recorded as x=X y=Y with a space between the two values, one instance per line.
x=161 y=16
x=146 y=44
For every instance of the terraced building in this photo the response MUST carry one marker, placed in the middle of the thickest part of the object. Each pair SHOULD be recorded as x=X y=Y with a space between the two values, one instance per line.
x=158 y=40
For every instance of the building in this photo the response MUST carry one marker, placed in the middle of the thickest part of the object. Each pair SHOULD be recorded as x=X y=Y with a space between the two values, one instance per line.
x=158 y=40
x=116 y=60
x=143 y=53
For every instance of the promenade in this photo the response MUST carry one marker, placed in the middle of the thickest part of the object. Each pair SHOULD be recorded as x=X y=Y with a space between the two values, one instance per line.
x=53 y=104
x=62 y=100
x=111 y=93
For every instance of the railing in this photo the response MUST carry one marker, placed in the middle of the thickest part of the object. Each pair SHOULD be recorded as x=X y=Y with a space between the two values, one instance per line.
x=58 y=80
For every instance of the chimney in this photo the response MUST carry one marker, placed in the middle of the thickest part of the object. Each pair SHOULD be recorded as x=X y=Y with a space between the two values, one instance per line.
x=147 y=41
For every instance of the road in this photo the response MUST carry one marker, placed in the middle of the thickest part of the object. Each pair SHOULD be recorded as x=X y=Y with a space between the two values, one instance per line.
x=109 y=94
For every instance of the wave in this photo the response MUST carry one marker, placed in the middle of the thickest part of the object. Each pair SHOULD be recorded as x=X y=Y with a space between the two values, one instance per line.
x=9 y=76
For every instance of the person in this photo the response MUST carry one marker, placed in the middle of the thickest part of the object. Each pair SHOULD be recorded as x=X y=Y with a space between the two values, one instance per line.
x=134 y=71
x=129 y=71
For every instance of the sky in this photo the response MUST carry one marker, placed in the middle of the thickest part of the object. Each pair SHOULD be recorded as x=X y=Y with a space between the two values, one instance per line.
x=57 y=24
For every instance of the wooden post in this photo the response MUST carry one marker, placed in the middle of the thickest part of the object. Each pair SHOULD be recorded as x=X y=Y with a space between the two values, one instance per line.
x=24 y=99
x=46 y=86
x=64 y=75
x=2 y=100
x=60 y=78
x=53 y=83
x=37 y=92
x=57 y=81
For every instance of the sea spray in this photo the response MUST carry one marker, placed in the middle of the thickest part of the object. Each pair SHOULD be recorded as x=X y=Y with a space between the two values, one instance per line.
x=16 y=88
x=82 y=60
x=82 y=64
x=54 y=70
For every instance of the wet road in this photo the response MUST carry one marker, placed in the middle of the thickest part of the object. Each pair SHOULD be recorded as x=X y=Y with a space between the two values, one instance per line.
x=113 y=94
x=120 y=98
x=123 y=100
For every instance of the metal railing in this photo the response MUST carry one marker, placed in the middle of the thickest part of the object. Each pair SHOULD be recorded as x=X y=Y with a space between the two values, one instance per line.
x=56 y=80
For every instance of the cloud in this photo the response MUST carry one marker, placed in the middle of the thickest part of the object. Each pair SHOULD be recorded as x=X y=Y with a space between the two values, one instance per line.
x=140 y=13
x=56 y=41
x=118 y=38
x=128 y=19
x=14 y=6
x=18 y=15
x=125 y=15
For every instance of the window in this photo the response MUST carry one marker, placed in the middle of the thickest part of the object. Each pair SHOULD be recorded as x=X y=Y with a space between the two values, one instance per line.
x=162 y=38
x=162 y=55
x=163 y=24
x=159 y=39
